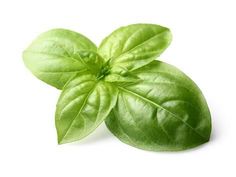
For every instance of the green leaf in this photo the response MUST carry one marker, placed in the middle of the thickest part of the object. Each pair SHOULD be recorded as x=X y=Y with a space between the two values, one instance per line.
x=165 y=111
x=134 y=46
x=82 y=106
x=59 y=54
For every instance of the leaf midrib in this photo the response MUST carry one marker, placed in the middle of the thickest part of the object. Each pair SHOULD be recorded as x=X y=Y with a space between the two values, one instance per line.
x=84 y=103
x=133 y=48
x=61 y=57
x=159 y=106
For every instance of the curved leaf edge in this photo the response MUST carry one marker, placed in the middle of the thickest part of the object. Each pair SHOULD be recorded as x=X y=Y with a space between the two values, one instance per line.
x=166 y=148
x=155 y=148
x=60 y=140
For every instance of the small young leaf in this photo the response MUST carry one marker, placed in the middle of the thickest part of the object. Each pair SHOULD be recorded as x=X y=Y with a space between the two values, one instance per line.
x=134 y=46
x=164 y=111
x=57 y=55
x=82 y=106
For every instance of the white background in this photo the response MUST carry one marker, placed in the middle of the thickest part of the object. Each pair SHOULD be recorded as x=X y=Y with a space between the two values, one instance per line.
x=204 y=47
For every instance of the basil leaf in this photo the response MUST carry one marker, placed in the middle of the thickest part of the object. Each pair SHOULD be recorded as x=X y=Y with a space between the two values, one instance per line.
x=84 y=103
x=164 y=111
x=57 y=55
x=134 y=46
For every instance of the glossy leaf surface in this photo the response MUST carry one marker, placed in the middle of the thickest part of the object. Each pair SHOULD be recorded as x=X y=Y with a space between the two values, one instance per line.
x=134 y=46
x=164 y=111
x=83 y=105
x=57 y=55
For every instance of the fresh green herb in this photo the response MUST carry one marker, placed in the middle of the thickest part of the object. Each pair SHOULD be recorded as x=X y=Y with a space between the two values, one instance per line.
x=146 y=103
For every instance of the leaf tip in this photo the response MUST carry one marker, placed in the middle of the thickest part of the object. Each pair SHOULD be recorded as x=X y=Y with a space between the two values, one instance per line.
x=60 y=141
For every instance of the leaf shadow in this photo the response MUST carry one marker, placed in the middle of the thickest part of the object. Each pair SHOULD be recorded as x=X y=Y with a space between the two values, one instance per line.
x=97 y=136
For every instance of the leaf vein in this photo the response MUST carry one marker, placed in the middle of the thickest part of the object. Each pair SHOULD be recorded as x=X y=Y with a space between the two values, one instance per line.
x=161 y=107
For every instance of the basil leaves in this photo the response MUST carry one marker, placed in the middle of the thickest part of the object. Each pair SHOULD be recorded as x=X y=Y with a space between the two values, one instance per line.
x=144 y=102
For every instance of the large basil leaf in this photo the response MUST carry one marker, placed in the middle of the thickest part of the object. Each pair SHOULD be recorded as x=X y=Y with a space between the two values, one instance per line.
x=57 y=55
x=134 y=46
x=164 y=111
x=82 y=106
